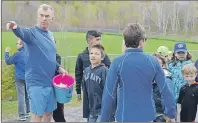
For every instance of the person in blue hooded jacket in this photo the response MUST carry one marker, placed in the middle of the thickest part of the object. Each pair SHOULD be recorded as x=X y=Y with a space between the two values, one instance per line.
x=131 y=76
x=18 y=59
x=180 y=58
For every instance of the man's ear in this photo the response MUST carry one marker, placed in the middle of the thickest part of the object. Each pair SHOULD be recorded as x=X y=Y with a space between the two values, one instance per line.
x=141 y=43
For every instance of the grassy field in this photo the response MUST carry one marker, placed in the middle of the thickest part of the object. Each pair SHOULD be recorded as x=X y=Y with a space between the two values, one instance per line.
x=70 y=44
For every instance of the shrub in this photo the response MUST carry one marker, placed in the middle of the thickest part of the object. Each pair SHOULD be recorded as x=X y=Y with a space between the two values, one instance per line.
x=8 y=85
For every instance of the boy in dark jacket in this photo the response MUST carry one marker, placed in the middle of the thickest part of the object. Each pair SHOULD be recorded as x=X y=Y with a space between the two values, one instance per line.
x=188 y=96
x=93 y=37
x=93 y=82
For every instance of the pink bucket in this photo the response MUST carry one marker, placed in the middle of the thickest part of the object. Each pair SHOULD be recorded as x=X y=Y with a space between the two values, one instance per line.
x=64 y=93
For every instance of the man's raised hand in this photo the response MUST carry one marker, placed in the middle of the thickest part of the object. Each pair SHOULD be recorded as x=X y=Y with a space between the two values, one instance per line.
x=11 y=25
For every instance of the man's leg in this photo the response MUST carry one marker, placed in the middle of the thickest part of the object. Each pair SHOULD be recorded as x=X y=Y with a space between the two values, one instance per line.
x=35 y=118
x=20 y=87
x=51 y=103
x=47 y=117
x=58 y=114
x=39 y=100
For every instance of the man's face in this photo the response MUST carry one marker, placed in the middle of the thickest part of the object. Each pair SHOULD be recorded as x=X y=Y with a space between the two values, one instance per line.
x=181 y=55
x=44 y=18
x=190 y=78
x=19 y=44
x=94 y=41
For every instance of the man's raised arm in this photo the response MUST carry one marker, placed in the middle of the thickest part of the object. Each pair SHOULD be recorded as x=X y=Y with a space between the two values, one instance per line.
x=23 y=33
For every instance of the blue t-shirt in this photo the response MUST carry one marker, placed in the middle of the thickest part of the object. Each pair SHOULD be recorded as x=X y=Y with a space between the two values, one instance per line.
x=41 y=55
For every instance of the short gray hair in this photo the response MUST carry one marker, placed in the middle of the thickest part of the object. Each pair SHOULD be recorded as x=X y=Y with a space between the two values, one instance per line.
x=46 y=7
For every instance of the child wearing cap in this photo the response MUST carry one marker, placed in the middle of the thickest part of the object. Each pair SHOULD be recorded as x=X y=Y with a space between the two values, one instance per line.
x=180 y=58
x=188 y=96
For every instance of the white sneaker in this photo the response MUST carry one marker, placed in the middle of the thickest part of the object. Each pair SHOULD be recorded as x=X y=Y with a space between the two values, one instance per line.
x=21 y=118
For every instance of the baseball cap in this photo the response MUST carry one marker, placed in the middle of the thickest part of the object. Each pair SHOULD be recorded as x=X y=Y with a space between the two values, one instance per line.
x=180 y=47
x=163 y=50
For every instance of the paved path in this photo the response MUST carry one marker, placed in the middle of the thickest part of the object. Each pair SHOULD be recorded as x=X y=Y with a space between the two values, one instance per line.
x=72 y=114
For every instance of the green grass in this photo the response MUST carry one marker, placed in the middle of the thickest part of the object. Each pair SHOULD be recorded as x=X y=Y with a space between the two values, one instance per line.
x=71 y=43
x=9 y=108
x=77 y=43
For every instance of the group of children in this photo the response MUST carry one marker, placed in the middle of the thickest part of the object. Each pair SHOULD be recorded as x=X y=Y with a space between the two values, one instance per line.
x=180 y=75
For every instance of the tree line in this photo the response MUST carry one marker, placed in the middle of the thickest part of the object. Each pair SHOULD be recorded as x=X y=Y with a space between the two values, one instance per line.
x=174 y=17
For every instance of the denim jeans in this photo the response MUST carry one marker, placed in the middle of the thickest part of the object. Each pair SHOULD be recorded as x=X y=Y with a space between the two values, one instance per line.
x=23 y=99
x=94 y=119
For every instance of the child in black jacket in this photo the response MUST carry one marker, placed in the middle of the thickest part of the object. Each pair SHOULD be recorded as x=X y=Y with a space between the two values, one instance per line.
x=188 y=96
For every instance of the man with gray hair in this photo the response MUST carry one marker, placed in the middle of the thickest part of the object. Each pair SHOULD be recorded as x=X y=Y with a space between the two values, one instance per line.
x=41 y=63
x=131 y=76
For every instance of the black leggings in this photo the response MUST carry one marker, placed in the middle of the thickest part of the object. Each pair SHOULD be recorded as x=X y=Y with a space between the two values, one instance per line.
x=58 y=114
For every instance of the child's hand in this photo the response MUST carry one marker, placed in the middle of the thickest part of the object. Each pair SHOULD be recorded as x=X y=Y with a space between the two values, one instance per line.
x=79 y=97
x=7 y=49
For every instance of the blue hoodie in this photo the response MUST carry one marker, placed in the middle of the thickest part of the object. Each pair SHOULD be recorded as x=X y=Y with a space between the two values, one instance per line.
x=41 y=55
x=131 y=76
x=18 y=59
